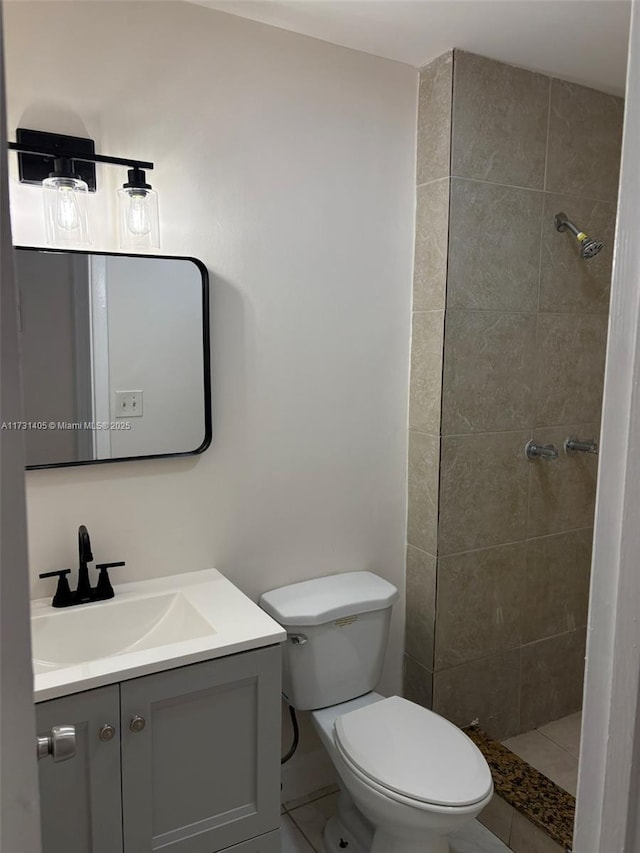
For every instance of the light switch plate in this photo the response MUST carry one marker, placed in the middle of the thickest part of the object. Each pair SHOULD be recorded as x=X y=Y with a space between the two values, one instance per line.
x=128 y=404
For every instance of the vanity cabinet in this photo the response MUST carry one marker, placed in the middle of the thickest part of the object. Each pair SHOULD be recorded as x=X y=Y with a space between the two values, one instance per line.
x=194 y=768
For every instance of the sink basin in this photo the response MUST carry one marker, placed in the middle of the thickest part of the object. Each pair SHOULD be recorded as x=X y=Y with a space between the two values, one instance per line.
x=149 y=626
x=91 y=632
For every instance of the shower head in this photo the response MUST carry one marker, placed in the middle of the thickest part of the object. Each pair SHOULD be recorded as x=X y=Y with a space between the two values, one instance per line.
x=589 y=248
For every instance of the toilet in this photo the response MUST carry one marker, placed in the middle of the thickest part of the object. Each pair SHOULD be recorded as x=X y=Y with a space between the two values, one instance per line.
x=408 y=777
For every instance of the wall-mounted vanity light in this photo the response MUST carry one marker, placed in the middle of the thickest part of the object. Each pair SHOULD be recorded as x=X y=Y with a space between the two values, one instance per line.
x=138 y=213
x=65 y=206
x=65 y=168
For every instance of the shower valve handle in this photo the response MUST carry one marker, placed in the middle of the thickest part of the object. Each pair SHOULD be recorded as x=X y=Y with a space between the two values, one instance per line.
x=576 y=445
x=541 y=451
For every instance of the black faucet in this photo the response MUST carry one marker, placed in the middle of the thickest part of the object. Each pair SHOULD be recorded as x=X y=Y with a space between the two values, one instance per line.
x=85 y=593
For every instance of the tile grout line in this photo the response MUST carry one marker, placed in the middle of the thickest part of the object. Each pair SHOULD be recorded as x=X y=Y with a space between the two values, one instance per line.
x=313 y=797
x=535 y=389
x=510 y=542
x=302 y=805
x=557 y=743
x=572 y=195
x=302 y=832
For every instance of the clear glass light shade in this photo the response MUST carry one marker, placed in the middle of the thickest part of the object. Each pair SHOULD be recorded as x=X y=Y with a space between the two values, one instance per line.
x=138 y=214
x=66 y=211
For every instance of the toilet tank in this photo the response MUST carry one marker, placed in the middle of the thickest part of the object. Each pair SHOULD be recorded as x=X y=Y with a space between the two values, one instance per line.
x=337 y=628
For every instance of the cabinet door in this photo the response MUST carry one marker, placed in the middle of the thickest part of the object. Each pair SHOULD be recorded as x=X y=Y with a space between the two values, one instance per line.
x=203 y=770
x=80 y=798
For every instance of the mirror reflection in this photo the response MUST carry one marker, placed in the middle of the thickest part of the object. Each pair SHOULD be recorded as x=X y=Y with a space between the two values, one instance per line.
x=115 y=356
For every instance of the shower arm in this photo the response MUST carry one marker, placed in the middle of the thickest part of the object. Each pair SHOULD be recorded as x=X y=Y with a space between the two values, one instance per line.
x=562 y=223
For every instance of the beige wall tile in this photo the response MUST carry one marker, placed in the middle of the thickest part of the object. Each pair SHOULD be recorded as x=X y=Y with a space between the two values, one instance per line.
x=558 y=570
x=421 y=606
x=480 y=596
x=497 y=817
x=487 y=690
x=487 y=371
x=527 y=838
x=431 y=246
x=567 y=281
x=484 y=483
x=562 y=491
x=424 y=468
x=425 y=390
x=418 y=683
x=434 y=119
x=569 y=368
x=552 y=677
x=585 y=137
x=494 y=254
x=499 y=122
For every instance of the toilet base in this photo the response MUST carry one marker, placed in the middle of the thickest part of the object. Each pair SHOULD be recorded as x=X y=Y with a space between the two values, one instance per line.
x=338 y=839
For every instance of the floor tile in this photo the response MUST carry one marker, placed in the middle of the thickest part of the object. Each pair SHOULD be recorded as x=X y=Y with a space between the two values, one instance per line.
x=497 y=817
x=565 y=732
x=310 y=819
x=475 y=838
x=547 y=757
x=293 y=841
x=527 y=838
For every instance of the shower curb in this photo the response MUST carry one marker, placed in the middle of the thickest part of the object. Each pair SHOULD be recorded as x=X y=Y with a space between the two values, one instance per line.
x=543 y=803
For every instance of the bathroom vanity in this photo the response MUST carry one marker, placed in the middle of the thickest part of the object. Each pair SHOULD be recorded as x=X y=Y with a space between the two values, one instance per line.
x=177 y=744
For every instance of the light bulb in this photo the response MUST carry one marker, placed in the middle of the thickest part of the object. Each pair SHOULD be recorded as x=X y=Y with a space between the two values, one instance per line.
x=138 y=220
x=67 y=211
x=138 y=206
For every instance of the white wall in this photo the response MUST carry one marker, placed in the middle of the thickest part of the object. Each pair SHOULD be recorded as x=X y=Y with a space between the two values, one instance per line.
x=287 y=165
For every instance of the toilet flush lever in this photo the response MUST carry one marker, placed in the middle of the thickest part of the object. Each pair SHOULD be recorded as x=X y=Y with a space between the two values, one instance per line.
x=297 y=639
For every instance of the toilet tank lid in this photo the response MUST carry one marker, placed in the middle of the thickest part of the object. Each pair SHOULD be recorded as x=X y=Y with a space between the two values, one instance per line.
x=326 y=599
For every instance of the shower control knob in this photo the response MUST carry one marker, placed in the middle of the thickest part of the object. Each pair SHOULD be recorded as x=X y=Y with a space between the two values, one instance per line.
x=137 y=724
x=541 y=451
x=576 y=445
x=107 y=733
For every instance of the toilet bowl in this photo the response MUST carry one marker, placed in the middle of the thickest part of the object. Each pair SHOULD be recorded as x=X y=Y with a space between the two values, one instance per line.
x=414 y=776
x=408 y=777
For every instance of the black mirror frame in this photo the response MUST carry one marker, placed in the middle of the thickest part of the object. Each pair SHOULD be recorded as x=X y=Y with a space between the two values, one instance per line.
x=206 y=354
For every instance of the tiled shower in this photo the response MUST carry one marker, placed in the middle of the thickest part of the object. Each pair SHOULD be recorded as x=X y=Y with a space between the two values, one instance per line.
x=508 y=345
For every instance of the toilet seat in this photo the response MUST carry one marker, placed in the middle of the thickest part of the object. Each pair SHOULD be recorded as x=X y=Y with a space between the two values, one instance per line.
x=413 y=755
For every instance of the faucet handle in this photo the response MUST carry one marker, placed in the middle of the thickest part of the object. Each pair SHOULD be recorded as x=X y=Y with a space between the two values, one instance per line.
x=104 y=589
x=577 y=445
x=63 y=596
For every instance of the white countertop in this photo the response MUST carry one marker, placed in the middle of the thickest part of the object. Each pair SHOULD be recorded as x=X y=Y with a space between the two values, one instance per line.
x=228 y=622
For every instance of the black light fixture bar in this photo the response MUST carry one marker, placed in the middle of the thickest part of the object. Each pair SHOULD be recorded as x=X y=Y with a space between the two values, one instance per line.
x=37 y=149
x=70 y=154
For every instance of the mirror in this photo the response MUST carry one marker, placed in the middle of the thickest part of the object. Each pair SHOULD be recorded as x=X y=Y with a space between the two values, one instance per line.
x=115 y=356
